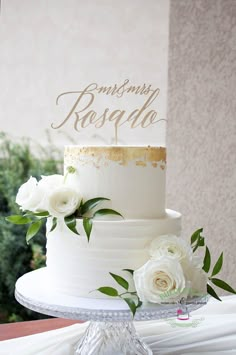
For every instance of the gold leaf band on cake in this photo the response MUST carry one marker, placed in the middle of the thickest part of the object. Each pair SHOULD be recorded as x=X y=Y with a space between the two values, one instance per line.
x=123 y=155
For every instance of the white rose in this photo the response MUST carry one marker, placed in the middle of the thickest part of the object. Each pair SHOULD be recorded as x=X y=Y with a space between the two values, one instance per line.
x=49 y=183
x=63 y=201
x=160 y=280
x=196 y=277
x=170 y=245
x=29 y=196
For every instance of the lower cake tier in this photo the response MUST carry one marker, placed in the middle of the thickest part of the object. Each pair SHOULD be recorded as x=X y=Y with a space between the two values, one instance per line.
x=78 y=267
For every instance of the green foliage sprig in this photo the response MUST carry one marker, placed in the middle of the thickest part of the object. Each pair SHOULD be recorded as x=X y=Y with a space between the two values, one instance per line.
x=36 y=220
x=130 y=297
x=85 y=212
x=197 y=240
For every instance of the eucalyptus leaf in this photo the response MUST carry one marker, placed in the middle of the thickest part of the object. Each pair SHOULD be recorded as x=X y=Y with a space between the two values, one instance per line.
x=18 y=219
x=54 y=224
x=109 y=291
x=88 y=225
x=120 y=280
x=218 y=265
x=106 y=211
x=129 y=270
x=196 y=235
x=207 y=260
x=212 y=292
x=90 y=204
x=71 y=224
x=222 y=284
x=32 y=230
x=132 y=306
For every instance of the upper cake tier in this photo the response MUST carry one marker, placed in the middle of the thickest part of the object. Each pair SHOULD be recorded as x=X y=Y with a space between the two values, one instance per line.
x=133 y=178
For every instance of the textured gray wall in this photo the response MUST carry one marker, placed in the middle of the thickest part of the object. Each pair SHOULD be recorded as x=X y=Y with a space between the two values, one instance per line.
x=201 y=137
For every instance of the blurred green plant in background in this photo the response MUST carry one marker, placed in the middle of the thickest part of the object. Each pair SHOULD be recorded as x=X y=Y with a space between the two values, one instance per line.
x=19 y=161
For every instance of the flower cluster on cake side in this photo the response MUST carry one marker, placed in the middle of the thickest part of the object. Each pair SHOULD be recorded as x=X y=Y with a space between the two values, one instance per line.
x=56 y=197
x=173 y=271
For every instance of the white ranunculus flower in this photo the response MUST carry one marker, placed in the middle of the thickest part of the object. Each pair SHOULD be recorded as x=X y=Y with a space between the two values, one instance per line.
x=63 y=201
x=51 y=182
x=170 y=245
x=29 y=196
x=47 y=184
x=196 y=277
x=160 y=280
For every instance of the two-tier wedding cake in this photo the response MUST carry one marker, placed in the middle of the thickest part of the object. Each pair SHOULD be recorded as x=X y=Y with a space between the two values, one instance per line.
x=133 y=178
x=109 y=233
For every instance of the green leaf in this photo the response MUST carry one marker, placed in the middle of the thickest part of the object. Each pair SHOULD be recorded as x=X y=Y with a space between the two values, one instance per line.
x=130 y=271
x=207 y=260
x=81 y=204
x=71 y=224
x=218 y=265
x=109 y=291
x=90 y=204
x=201 y=241
x=139 y=303
x=32 y=230
x=78 y=213
x=18 y=219
x=222 y=284
x=120 y=280
x=212 y=292
x=197 y=239
x=42 y=214
x=88 y=224
x=54 y=224
x=132 y=306
x=196 y=235
x=106 y=211
x=71 y=169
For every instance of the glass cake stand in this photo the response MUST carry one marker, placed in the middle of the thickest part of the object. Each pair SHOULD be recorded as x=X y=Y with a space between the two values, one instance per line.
x=111 y=330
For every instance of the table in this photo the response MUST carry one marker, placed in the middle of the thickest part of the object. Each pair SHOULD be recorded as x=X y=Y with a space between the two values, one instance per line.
x=19 y=329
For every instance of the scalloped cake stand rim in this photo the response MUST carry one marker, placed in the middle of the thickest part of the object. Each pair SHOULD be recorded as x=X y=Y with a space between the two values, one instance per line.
x=33 y=291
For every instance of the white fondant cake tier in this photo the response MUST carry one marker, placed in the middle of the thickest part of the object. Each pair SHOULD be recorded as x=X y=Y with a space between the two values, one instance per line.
x=133 y=178
x=76 y=267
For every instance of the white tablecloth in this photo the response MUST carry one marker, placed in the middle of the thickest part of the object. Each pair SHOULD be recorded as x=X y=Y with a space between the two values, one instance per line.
x=210 y=330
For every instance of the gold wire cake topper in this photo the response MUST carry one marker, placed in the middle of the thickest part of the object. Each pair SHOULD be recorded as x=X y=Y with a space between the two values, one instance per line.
x=83 y=113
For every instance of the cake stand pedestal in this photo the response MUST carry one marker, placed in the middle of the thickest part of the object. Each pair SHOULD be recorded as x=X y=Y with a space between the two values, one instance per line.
x=111 y=330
